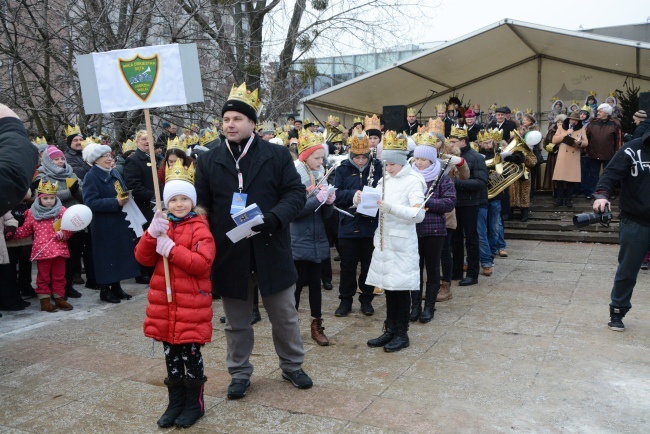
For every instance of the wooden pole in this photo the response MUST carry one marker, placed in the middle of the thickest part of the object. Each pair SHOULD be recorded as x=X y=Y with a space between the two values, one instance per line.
x=156 y=189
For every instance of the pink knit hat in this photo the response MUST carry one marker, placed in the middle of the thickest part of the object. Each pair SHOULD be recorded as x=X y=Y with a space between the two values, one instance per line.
x=54 y=152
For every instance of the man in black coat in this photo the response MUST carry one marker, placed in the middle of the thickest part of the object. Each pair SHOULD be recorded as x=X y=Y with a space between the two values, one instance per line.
x=469 y=194
x=18 y=160
x=501 y=123
x=139 y=179
x=73 y=155
x=412 y=124
x=245 y=164
x=138 y=176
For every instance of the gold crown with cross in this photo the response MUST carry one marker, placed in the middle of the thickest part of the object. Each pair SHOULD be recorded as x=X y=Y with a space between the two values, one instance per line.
x=180 y=172
x=246 y=96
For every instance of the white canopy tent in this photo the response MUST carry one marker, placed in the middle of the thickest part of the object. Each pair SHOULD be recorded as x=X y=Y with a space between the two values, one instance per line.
x=512 y=63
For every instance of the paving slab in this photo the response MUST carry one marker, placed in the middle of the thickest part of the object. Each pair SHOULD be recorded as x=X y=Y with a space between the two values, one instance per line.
x=525 y=350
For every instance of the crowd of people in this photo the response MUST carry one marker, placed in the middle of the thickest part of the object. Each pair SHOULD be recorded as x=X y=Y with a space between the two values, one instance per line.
x=407 y=211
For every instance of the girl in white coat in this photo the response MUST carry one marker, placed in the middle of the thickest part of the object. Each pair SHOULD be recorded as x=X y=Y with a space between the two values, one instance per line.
x=395 y=260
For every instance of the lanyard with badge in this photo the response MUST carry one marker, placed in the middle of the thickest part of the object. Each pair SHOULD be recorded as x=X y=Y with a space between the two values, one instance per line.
x=239 y=199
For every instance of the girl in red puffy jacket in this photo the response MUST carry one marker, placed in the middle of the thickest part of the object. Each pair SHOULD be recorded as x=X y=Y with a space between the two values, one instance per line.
x=184 y=324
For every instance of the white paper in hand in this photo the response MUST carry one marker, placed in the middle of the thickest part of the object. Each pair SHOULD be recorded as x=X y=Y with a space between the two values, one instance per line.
x=245 y=230
x=330 y=189
x=369 y=198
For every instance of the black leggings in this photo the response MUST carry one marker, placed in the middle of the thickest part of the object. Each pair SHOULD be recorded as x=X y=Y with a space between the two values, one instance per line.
x=398 y=305
x=183 y=360
x=430 y=249
x=309 y=274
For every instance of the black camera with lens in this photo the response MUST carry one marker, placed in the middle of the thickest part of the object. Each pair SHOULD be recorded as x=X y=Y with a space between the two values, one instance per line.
x=586 y=219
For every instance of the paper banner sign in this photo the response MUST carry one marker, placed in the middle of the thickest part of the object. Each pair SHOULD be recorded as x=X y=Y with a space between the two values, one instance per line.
x=139 y=78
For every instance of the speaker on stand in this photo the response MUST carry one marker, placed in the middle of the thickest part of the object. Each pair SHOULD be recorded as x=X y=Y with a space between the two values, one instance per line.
x=394 y=116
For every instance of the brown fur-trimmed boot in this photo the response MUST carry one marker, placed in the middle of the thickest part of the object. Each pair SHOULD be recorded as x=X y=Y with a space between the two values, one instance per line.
x=47 y=306
x=62 y=304
x=445 y=291
x=317 y=332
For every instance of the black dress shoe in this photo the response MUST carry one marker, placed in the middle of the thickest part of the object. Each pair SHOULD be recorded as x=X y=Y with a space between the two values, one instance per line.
x=143 y=280
x=118 y=292
x=328 y=286
x=71 y=292
x=468 y=281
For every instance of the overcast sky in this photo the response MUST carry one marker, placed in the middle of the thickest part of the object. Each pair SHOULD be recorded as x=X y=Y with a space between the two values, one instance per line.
x=453 y=19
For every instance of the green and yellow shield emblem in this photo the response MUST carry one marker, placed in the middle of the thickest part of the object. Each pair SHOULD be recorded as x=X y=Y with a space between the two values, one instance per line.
x=140 y=74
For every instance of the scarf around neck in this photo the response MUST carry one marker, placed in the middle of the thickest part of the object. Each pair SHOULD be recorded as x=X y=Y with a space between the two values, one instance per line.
x=309 y=177
x=54 y=172
x=430 y=173
x=41 y=213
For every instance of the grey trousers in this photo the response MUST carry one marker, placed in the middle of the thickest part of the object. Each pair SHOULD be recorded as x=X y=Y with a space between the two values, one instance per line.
x=281 y=309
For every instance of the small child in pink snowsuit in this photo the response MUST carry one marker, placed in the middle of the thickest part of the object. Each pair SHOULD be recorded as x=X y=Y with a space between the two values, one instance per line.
x=50 y=248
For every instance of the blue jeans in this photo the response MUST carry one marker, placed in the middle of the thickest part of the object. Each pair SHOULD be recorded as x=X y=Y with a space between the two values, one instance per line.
x=593 y=168
x=485 y=257
x=496 y=238
x=634 y=240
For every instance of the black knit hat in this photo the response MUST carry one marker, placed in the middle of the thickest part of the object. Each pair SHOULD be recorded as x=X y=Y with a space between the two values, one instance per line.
x=69 y=139
x=240 y=107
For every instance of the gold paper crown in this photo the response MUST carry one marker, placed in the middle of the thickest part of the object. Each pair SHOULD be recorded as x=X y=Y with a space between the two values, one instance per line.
x=129 y=145
x=440 y=107
x=483 y=135
x=267 y=126
x=307 y=121
x=372 y=123
x=332 y=118
x=586 y=108
x=592 y=93
x=246 y=96
x=307 y=139
x=411 y=111
x=359 y=144
x=47 y=187
x=422 y=137
x=458 y=131
x=316 y=123
x=333 y=135
x=287 y=128
x=70 y=130
x=177 y=143
x=436 y=126
x=529 y=111
x=190 y=139
x=515 y=110
x=87 y=142
x=179 y=172
x=554 y=99
x=612 y=94
x=357 y=121
x=394 y=142
x=194 y=127
x=496 y=134
x=493 y=106
x=40 y=141
x=282 y=135
x=208 y=136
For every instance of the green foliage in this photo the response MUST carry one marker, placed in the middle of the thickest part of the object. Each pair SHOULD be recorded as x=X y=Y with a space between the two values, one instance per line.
x=308 y=71
x=304 y=43
x=628 y=102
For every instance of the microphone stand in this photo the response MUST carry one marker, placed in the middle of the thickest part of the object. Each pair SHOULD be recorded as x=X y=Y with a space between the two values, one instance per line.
x=425 y=103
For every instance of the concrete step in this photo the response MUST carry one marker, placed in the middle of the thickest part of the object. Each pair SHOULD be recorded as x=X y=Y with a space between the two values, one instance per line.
x=550 y=223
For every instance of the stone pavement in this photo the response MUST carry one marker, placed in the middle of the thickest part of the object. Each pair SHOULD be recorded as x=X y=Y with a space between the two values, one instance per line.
x=526 y=350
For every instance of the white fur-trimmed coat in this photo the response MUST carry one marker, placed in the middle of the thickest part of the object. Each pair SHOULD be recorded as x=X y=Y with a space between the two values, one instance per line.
x=397 y=266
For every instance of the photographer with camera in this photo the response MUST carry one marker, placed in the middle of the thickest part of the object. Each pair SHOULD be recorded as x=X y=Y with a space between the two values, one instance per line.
x=631 y=166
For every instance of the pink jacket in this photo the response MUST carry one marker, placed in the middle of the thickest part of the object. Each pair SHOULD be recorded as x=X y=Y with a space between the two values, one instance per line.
x=45 y=247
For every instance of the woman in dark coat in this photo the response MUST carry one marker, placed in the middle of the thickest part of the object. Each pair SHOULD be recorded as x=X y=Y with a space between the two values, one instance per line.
x=551 y=148
x=113 y=247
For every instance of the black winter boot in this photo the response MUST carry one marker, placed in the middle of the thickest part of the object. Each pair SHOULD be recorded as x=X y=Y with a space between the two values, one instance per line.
x=429 y=303
x=176 y=391
x=256 y=316
x=118 y=292
x=194 y=405
x=616 y=315
x=416 y=305
x=386 y=337
x=400 y=340
x=105 y=294
x=70 y=292
x=524 y=214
